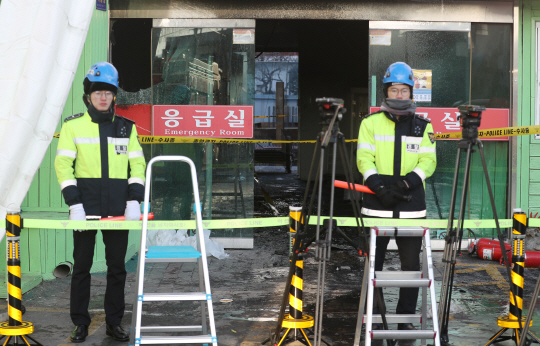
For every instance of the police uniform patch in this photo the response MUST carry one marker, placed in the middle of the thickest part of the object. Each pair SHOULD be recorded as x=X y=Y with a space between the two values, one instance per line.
x=431 y=137
x=121 y=149
x=413 y=148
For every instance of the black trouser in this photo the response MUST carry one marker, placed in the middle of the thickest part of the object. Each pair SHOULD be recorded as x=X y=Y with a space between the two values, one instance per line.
x=409 y=254
x=83 y=252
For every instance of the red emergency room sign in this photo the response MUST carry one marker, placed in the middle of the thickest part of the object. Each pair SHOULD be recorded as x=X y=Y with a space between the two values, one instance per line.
x=445 y=120
x=203 y=121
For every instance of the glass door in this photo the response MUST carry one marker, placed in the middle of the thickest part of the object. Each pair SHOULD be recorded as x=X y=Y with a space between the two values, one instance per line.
x=210 y=62
x=450 y=62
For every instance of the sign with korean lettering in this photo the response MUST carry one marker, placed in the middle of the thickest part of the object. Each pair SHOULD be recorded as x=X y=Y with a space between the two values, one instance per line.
x=203 y=121
x=445 y=120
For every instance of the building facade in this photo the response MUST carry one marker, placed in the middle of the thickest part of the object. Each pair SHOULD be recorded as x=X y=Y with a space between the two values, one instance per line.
x=204 y=53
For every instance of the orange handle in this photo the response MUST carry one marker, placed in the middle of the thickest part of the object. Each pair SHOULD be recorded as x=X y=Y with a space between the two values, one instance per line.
x=123 y=218
x=357 y=187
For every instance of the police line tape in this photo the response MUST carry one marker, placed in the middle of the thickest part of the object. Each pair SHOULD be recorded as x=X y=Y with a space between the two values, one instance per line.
x=168 y=139
x=498 y=132
x=261 y=222
x=488 y=133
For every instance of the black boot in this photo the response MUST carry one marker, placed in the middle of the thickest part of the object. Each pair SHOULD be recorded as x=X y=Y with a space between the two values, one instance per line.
x=117 y=333
x=406 y=326
x=79 y=334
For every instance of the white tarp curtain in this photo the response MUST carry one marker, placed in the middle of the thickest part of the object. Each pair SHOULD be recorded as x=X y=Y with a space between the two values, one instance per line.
x=40 y=45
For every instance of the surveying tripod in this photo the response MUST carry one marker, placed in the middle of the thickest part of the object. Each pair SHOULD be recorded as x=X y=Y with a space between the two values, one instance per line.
x=331 y=113
x=470 y=117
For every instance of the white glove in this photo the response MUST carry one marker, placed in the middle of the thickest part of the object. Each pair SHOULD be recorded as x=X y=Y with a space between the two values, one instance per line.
x=133 y=211
x=77 y=213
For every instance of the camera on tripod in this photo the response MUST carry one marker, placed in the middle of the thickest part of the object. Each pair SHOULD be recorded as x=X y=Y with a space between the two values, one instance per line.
x=328 y=107
x=469 y=118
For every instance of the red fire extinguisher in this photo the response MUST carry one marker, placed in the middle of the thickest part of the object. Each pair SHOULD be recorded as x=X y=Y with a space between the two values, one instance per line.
x=532 y=259
x=489 y=245
x=490 y=249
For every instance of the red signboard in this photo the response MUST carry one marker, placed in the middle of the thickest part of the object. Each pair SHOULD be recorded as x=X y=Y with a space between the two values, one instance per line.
x=444 y=120
x=141 y=114
x=203 y=121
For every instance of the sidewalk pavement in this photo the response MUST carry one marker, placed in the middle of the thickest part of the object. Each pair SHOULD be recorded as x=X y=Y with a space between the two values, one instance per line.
x=247 y=289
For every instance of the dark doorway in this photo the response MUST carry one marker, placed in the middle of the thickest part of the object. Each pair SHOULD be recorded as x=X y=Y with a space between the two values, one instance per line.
x=333 y=57
x=131 y=52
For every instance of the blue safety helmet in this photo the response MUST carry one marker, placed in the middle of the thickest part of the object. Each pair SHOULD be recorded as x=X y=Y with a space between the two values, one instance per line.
x=101 y=76
x=399 y=72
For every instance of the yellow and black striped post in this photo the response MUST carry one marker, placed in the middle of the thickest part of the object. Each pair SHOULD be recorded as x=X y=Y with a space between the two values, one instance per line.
x=295 y=290
x=514 y=320
x=295 y=319
x=15 y=328
x=294 y=225
x=519 y=230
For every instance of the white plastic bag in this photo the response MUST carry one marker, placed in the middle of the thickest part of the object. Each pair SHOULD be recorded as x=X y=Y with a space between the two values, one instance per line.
x=171 y=237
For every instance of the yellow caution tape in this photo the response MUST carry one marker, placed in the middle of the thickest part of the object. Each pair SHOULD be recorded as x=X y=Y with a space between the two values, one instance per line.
x=498 y=132
x=488 y=133
x=169 y=139
x=166 y=139
x=261 y=222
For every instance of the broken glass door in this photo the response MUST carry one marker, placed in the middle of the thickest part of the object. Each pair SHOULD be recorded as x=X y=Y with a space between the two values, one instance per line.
x=453 y=63
x=194 y=64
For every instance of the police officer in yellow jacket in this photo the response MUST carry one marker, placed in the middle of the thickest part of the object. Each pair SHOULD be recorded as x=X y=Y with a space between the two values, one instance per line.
x=396 y=153
x=100 y=168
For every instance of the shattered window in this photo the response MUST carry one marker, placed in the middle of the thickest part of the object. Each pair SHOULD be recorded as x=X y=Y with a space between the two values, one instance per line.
x=442 y=61
x=202 y=66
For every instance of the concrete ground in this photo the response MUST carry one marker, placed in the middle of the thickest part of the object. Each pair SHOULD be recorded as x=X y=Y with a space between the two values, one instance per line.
x=248 y=286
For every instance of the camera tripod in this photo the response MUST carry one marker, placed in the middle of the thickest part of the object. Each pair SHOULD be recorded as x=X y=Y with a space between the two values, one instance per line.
x=470 y=121
x=332 y=110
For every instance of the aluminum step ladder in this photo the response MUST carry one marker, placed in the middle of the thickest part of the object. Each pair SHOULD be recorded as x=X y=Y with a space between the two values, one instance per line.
x=173 y=254
x=378 y=279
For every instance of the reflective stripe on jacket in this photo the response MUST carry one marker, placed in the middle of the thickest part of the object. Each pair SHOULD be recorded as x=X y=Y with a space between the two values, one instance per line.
x=100 y=165
x=390 y=150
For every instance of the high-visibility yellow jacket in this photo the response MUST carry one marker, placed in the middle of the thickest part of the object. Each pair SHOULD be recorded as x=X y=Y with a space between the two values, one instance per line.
x=390 y=150
x=100 y=165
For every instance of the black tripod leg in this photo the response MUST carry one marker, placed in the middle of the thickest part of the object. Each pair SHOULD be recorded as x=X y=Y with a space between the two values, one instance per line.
x=450 y=239
x=534 y=338
x=346 y=237
x=349 y=177
x=323 y=248
x=34 y=340
x=454 y=237
x=498 y=335
x=499 y=233
x=358 y=215
x=444 y=302
x=292 y=266
x=362 y=304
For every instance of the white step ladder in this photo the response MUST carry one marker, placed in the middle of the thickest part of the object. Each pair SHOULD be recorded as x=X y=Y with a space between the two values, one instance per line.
x=173 y=254
x=375 y=279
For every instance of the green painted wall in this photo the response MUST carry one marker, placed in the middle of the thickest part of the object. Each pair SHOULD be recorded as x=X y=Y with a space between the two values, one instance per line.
x=528 y=177
x=41 y=249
